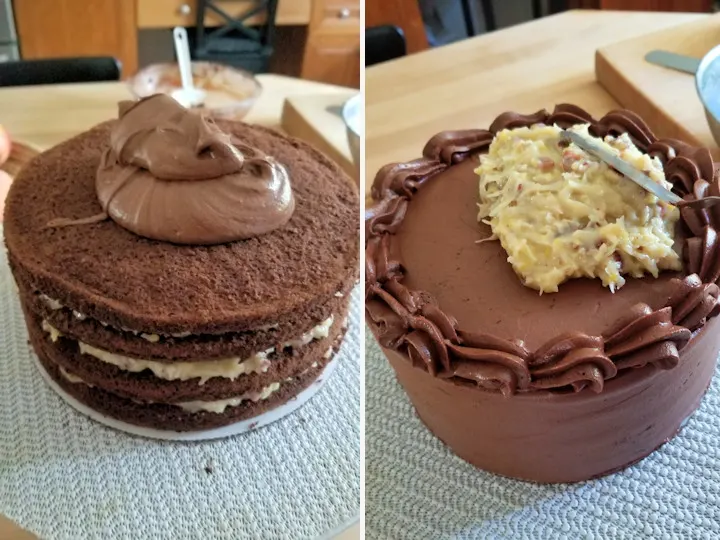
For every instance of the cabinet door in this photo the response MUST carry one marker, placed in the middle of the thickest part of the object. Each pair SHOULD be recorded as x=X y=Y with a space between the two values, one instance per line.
x=402 y=13
x=333 y=61
x=332 y=51
x=169 y=13
x=64 y=28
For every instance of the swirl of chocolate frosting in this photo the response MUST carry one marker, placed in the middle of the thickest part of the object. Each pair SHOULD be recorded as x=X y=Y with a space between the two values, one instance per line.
x=412 y=323
x=380 y=266
x=693 y=302
x=404 y=178
x=623 y=121
x=452 y=147
x=173 y=175
x=634 y=341
x=571 y=359
x=512 y=120
x=386 y=216
x=567 y=115
x=492 y=363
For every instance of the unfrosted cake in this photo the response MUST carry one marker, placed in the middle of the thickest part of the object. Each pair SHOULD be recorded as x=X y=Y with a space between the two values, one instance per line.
x=549 y=319
x=180 y=273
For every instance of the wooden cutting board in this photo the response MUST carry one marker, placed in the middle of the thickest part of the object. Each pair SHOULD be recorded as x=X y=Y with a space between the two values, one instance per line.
x=317 y=119
x=665 y=98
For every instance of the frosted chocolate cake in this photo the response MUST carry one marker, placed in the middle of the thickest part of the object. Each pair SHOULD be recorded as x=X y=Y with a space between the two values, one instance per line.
x=180 y=273
x=549 y=319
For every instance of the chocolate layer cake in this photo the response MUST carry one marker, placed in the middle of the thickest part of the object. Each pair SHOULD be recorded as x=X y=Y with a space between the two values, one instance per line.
x=182 y=273
x=554 y=387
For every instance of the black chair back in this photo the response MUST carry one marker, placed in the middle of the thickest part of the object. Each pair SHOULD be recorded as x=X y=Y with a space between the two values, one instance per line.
x=59 y=70
x=383 y=43
x=236 y=43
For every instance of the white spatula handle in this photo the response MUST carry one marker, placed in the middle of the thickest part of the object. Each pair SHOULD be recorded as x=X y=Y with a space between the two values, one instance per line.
x=182 y=51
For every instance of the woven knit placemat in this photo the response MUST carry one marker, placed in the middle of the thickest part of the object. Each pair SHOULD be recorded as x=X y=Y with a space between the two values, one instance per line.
x=63 y=476
x=417 y=489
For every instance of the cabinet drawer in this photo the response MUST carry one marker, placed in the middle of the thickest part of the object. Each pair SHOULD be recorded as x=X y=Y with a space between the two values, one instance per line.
x=333 y=59
x=169 y=13
x=338 y=16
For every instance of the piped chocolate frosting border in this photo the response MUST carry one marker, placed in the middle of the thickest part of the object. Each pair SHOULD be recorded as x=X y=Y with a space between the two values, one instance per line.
x=412 y=323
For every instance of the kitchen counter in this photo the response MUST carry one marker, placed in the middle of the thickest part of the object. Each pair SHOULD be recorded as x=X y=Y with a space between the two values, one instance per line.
x=42 y=116
x=466 y=85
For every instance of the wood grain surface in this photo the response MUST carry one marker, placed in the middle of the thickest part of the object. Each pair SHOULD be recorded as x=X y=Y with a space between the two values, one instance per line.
x=43 y=116
x=466 y=85
x=402 y=13
x=59 y=28
x=665 y=98
x=169 y=13
x=318 y=120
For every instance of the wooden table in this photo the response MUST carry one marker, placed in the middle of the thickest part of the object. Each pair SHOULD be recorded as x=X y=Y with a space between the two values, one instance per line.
x=43 y=116
x=466 y=85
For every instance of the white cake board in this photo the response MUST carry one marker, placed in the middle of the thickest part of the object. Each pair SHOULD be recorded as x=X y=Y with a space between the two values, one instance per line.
x=237 y=428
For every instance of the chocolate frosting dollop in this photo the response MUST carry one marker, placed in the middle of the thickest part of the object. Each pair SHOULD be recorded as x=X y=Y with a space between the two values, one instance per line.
x=171 y=174
x=412 y=323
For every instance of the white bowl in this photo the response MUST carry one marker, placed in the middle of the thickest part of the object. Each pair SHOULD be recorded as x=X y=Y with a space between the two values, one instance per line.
x=352 y=115
x=229 y=92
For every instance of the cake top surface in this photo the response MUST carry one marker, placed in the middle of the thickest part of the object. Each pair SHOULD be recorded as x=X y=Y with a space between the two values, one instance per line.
x=458 y=309
x=242 y=284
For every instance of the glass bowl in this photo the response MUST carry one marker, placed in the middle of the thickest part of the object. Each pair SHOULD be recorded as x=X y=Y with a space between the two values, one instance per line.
x=230 y=92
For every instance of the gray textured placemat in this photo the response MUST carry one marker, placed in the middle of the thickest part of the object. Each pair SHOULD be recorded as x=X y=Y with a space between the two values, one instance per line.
x=416 y=489
x=63 y=476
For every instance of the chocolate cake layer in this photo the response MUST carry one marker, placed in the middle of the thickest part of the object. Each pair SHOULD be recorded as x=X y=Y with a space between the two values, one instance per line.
x=145 y=386
x=171 y=417
x=288 y=276
x=167 y=348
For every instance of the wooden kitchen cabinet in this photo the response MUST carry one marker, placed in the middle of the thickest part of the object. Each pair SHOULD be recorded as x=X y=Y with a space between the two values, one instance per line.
x=335 y=61
x=404 y=14
x=63 y=28
x=332 y=51
x=169 y=13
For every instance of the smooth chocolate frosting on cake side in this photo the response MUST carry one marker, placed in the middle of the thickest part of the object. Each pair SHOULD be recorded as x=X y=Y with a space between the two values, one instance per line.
x=552 y=388
x=171 y=174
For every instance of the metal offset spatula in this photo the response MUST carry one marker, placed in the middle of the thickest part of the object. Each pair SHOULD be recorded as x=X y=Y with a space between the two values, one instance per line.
x=640 y=178
x=678 y=62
